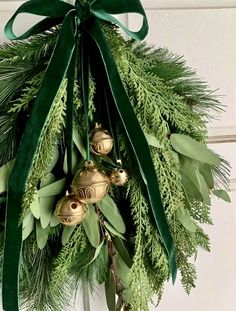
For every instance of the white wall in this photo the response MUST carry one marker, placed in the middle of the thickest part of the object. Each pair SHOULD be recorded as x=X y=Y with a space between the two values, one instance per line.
x=205 y=32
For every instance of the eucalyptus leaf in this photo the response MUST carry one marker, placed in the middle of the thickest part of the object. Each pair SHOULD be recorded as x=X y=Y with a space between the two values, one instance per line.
x=122 y=271
x=191 y=148
x=54 y=160
x=112 y=230
x=97 y=252
x=66 y=234
x=34 y=206
x=47 y=205
x=102 y=268
x=28 y=226
x=53 y=189
x=188 y=167
x=175 y=156
x=91 y=226
x=204 y=190
x=41 y=235
x=122 y=251
x=54 y=221
x=222 y=194
x=186 y=220
x=205 y=170
x=109 y=209
x=191 y=189
x=74 y=162
x=110 y=290
x=79 y=143
x=153 y=141
x=5 y=172
x=187 y=202
x=26 y=220
x=127 y=295
x=47 y=180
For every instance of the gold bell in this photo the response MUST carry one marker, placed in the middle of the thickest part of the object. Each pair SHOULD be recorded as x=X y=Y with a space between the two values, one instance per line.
x=119 y=177
x=90 y=185
x=101 y=141
x=70 y=211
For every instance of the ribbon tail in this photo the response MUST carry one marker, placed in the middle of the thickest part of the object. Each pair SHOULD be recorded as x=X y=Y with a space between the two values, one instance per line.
x=54 y=75
x=137 y=140
x=84 y=85
x=70 y=113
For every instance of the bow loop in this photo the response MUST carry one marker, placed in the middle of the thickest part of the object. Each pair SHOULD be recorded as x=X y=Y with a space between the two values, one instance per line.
x=56 y=10
x=105 y=9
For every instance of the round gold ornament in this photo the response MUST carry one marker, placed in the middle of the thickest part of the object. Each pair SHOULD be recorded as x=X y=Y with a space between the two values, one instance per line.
x=101 y=141
x=119 y=177
x=90 y=185
x=70 y=211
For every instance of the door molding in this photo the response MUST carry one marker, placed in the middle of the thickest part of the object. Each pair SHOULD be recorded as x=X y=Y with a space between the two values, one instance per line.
x=188 y=4
x=222 y=134
x=155 y=4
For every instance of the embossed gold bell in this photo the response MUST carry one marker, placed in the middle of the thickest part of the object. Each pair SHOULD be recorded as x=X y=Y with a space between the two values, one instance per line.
x=90 y=185
x=101 y=141
x=119 y=177
x=70 y=211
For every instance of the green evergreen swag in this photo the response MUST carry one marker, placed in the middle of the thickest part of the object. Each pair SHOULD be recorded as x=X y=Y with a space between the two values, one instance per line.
x=118 y=246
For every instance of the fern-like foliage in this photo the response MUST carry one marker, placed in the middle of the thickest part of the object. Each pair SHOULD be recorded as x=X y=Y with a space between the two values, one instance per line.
x=34 y=50
x=182 y=79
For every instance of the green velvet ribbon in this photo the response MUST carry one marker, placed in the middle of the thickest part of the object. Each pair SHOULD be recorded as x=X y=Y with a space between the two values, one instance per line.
x=78 y=19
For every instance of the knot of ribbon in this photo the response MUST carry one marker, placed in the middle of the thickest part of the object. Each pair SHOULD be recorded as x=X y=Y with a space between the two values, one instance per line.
x=63 y=64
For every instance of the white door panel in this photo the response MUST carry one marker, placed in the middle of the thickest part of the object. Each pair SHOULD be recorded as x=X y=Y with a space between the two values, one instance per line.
x=215 y=289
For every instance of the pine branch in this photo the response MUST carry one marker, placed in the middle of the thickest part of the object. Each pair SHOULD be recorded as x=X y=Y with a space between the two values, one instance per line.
x=9 y=127
x=182 y=79
x=32 y=50
x=63 y=264
x=36 y=278
x=20 y=61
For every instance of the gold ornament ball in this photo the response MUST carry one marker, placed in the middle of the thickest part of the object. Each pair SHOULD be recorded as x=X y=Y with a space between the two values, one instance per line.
x=90 y=185
x=70 y=211
x=119 y=177
x=101 y=141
